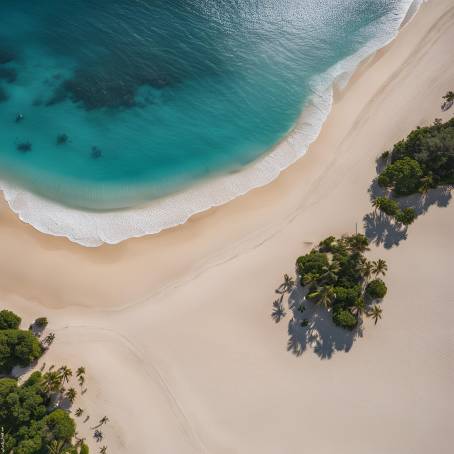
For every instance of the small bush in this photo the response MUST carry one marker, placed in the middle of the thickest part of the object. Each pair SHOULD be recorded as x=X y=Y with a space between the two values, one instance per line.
x=9 y=320
x=387 y=206
x=84 y=449
x=347 y=296
x=376 y=289
x=41 y=322
x=314 y=263
x=407 y=216
x=344 y=318
x=385 y=155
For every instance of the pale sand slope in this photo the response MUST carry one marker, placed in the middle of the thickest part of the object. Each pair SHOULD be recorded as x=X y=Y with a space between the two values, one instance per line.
x=194 y=362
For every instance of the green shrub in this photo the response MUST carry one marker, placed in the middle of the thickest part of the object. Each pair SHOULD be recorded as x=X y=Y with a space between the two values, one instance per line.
x=314 y=263
x=404 y=176
x=347 y=296
x=344 y=318
x=327 y=244
x=385 y=155
x=84 y=449
x=41 y=322
x=406 y=216
x=9 y=320
x=387 y=206
x=376 y=289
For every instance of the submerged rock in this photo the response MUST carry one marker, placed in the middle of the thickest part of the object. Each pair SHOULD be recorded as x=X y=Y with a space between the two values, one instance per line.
x=3 y=95
x=6 y=56
x=62 y=139
x=96 y=152
x=8 y=74
x=19 y=118
x=24 y=147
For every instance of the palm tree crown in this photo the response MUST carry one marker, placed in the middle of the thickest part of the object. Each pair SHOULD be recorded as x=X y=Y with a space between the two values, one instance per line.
x=379 y=267
x=376 y=313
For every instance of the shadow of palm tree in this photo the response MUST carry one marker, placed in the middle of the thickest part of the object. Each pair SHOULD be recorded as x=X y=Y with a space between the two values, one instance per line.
x=380 y=229
x=278 y=310
x=311 y=327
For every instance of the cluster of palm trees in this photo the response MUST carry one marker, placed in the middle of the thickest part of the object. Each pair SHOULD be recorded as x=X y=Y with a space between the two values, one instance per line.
x=325 y=293
x=54 y=382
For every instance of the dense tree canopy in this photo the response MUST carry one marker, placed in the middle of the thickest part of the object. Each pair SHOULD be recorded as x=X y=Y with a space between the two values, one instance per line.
x=9 y=320
x=29 y=417
x=424 y=159
x=28 y=423
x=18 y=347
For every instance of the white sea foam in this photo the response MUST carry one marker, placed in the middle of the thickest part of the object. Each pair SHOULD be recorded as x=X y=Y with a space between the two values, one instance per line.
x=92 y=229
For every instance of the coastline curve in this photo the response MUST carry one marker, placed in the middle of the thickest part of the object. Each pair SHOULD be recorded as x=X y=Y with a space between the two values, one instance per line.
x=92 y=229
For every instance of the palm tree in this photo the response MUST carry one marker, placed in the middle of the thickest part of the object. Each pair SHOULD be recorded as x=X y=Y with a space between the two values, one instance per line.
x=359 y=308
x=449 y=96
x=79 y=412
x=66 y=373
x=358 y=243
x=80 y=371
x=49 y=339
x=379 y=267
x=81 y=380
x=71 y=394
x=51 y=382
x=103 y=450
x=366 y=270
x=323 y=296
x=57 y=447
x=375 y=313
x=310 y=278
x=377 y=203
x=330 y=272
x=104 y=420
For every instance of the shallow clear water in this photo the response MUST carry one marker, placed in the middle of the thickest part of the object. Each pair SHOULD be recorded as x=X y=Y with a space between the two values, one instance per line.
x=156 y=95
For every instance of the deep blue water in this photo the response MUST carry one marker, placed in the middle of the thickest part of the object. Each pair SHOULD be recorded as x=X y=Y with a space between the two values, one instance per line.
x=147 y=97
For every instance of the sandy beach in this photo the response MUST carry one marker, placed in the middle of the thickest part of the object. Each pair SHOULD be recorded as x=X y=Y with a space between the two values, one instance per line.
x=176 y=330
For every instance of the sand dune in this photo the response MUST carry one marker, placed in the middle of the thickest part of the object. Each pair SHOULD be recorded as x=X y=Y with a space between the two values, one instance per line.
x=175 y=330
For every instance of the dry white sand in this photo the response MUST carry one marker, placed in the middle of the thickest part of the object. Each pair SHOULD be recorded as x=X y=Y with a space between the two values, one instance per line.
x=175 y=330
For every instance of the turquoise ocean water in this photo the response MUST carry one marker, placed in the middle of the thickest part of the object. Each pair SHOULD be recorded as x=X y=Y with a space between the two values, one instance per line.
x=108 y=104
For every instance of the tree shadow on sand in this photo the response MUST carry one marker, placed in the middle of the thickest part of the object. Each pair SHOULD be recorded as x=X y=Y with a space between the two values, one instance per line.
x=311 y=327
x=381 y=229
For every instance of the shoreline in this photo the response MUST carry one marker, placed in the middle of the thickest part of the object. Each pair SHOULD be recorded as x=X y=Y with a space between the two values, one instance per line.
x=92 y=229
x=183 y=318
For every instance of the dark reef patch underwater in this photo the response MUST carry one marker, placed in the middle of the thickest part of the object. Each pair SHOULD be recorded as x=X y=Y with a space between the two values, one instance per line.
x=156 y=95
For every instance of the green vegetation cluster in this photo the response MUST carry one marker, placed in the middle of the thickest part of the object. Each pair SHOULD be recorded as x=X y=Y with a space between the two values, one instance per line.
x=17 y=347
x=30 y=417
x=338 y=276
x=424 y=160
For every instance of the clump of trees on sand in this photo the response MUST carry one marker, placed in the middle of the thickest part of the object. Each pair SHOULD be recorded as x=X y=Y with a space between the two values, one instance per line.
x=35 y=413
x=422 y=161
x=340 y=278
x=337 y=276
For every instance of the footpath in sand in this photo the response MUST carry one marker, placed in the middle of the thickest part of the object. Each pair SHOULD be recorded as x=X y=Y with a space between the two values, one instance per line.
x=176 y=330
